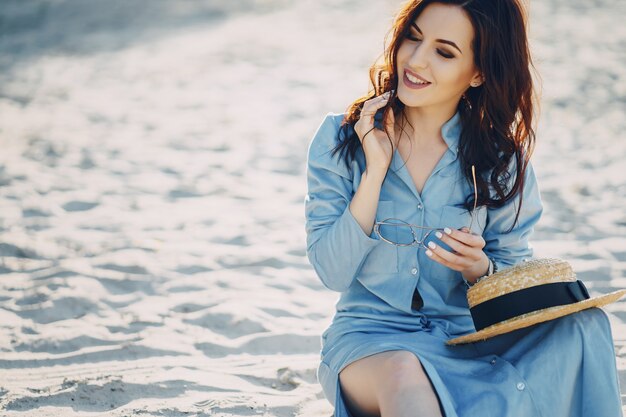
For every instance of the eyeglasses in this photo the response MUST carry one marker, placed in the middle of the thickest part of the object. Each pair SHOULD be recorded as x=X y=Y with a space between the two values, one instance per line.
x=400 y=233
x=475 y=199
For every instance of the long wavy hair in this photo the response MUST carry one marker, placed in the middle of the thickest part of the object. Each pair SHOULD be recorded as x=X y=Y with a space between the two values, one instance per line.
x=496 y=116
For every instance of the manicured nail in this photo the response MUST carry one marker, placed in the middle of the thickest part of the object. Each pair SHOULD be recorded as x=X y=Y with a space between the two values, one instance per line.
x=432 y=245
x=447 y=230
x=429 y=253
x=438 y=234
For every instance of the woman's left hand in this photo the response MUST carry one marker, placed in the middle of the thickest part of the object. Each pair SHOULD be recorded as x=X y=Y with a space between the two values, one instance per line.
x=468 y=256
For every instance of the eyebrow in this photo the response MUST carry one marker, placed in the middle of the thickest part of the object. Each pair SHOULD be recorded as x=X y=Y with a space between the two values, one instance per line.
x=438 y=40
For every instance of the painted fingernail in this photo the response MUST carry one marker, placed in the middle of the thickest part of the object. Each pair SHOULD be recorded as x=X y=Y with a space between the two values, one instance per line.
x=447 y=230
x=438 y=234
x=432 y=245
x=429 y=253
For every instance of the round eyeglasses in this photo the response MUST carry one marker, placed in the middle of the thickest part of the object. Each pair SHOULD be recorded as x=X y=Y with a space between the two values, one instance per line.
x=400 y=233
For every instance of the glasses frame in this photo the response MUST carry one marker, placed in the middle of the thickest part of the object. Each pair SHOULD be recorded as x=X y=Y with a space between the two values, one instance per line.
x=472 y=214
x=416 y=241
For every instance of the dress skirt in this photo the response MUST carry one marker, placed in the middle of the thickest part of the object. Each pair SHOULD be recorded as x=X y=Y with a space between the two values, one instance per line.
x=561 y=368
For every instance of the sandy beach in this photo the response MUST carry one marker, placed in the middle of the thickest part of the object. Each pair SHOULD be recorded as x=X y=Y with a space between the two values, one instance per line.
x=152 y=182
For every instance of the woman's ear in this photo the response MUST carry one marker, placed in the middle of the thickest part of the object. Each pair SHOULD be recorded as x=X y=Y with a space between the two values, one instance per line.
x=476 y=80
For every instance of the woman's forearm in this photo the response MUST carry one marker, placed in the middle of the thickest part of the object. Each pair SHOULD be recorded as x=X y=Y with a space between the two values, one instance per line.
x=365 y=200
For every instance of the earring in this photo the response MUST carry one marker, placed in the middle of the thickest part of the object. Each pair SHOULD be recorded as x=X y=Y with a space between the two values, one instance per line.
x=467 y=102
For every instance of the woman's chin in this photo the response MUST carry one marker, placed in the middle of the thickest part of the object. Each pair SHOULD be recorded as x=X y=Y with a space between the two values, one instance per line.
x=412 y=102
x=411 y=99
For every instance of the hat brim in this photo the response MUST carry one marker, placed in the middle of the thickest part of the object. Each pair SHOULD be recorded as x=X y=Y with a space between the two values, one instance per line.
x=535 y=317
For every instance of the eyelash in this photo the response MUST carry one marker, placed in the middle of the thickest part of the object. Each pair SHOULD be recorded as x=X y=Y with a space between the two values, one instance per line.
x=447 y=56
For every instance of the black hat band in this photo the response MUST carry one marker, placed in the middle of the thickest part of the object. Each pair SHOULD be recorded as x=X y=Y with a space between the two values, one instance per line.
x=526 y=301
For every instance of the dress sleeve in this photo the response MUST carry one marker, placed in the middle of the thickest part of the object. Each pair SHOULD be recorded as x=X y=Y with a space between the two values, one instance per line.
x=336 y=243
x=508 y=249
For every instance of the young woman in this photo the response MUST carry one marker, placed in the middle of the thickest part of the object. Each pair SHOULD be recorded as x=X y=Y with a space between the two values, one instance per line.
x=417 y=191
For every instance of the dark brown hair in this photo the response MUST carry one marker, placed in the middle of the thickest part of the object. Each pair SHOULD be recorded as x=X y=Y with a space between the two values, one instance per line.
x=496 y=116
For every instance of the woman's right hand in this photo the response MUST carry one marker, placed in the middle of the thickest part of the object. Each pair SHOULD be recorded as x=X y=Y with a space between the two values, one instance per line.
x=375 y=142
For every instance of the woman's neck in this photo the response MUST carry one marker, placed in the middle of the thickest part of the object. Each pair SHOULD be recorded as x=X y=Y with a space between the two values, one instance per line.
x=427 y=124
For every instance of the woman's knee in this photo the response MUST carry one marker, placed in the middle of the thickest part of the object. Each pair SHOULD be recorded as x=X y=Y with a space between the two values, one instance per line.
x=589 y=323
x=380 y=377
x=588 y=317
x=597 y=314
x=597 y=318
x=404 y=375
x=403 y=368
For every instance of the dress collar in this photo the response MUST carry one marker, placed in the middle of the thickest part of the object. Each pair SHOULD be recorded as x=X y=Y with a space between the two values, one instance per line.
x=451 y=132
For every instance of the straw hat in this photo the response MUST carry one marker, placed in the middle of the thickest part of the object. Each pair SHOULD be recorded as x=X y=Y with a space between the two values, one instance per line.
x=528 y=293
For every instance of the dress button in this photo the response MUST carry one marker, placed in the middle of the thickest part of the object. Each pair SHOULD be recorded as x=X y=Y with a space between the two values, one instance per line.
x=414 y=271
x=521 y=386
x=493 y=361
x=419 y=206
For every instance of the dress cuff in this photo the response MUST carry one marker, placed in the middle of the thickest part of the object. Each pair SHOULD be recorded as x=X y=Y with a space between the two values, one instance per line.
x=356 y=233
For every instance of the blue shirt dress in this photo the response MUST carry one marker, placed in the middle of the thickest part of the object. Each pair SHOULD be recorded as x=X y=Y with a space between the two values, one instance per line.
x=561 y=368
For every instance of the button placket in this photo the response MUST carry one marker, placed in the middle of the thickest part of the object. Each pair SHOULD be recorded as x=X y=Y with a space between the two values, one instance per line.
x=420 y=208
x=518 y=382
x=414 y=269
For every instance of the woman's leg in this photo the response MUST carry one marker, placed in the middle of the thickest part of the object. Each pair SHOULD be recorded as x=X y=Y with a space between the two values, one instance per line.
x=389 y=384
x=575 y=356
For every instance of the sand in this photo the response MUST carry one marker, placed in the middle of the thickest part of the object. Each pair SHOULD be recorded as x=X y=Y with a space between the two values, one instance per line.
x=152 y=180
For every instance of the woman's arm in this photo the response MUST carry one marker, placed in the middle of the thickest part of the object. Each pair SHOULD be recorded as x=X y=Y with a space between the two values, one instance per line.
x=508 y=249
x=338 y=222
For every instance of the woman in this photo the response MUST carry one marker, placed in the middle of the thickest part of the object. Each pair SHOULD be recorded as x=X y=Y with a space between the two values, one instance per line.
x=442 y=143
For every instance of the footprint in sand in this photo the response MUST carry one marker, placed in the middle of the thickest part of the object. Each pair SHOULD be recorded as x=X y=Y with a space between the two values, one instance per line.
x=228 y=325
x=79 y=205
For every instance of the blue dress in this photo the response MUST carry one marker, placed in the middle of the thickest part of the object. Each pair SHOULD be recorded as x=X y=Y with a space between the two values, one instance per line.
x=562 y=368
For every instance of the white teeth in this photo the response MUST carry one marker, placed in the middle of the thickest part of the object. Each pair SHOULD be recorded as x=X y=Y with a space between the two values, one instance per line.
x=414 y=79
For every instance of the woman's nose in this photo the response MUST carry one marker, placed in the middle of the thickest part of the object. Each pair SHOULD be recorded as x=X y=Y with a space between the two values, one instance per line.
x=419 y=58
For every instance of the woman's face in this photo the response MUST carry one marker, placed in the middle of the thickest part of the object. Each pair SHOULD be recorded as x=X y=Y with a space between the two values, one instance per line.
x=438 y=53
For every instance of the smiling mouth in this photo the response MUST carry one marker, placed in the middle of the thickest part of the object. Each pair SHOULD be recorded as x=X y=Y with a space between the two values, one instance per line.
x=415 y=80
